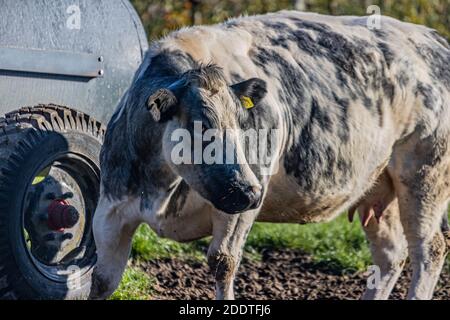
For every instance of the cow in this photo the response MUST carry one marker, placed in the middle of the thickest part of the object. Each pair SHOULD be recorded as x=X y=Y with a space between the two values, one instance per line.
x=360 y=118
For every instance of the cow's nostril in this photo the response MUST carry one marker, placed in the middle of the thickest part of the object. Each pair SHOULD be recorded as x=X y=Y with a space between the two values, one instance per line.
x=256 y=189
x=254 y=193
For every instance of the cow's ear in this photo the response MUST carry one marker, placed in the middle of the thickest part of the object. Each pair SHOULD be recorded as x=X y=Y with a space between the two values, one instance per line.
x=162 y=105
x=250 y=91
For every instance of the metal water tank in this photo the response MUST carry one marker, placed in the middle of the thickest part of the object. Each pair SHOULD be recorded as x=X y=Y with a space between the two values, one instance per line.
x=80 y=54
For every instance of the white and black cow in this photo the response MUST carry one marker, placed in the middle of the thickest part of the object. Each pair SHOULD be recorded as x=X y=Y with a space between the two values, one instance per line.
x=362 y=119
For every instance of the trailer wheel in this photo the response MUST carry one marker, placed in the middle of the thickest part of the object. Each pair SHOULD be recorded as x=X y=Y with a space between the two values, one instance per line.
x=49 y=186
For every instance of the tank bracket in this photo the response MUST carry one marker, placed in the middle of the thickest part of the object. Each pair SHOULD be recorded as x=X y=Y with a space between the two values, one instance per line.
x=51 y=62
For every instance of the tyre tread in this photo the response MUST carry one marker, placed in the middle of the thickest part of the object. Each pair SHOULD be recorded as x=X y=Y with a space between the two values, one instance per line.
x=20 y=131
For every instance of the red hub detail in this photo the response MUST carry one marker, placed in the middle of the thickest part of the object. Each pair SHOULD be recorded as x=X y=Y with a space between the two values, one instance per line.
x=61 y=215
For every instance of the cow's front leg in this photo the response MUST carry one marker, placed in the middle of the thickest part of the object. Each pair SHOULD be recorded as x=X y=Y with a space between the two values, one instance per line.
x=389 y=251
x=225 y=251
x=114 y=225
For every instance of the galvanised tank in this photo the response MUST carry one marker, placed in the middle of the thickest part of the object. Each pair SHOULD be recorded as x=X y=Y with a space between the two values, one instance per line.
x=78 y=53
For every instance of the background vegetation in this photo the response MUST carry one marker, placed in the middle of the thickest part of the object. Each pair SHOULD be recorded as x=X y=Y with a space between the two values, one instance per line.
x=339 y=243
x=160 y=17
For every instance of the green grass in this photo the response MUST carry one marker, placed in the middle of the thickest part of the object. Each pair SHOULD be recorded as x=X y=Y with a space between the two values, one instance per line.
x=135 y=285
x=338 y=242
x=147 y=245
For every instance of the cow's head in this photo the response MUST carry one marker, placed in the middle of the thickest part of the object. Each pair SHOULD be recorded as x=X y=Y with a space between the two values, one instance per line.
x=199 y=106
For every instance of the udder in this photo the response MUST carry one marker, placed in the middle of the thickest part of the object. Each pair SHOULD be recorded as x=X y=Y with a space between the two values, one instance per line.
x=375 y=202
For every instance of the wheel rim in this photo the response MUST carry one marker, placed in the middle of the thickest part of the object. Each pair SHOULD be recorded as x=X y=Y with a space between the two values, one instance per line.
x=65 y=180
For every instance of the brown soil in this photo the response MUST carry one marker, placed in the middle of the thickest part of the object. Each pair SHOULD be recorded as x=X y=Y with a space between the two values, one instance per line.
x=282 y=274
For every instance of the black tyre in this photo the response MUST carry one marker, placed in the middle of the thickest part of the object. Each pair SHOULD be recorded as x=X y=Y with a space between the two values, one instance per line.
x=49 y=186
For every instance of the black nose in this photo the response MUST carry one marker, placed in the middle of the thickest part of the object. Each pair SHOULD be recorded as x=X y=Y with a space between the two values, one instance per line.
x=240 y=199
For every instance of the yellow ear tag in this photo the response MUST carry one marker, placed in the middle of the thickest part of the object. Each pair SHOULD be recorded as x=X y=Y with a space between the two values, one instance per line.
x=247 y=102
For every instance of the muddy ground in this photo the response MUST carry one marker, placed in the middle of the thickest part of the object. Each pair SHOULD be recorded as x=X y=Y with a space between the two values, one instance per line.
x=282 y=274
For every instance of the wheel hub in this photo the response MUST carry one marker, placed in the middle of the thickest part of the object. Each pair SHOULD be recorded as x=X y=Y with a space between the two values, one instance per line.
x=55 y=220
x=61 y=215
